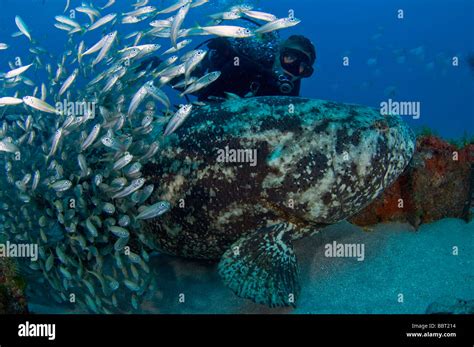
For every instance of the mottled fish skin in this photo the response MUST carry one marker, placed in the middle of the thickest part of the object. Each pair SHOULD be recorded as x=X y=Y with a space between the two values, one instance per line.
x=310 y=143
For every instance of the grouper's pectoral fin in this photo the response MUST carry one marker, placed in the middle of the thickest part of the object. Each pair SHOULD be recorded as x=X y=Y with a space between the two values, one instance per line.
x=262 y=267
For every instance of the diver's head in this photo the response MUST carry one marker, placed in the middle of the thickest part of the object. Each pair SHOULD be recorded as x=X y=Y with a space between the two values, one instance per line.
x=294 y=61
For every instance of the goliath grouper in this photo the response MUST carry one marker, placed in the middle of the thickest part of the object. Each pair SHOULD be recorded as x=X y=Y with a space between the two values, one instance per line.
x=317 y=163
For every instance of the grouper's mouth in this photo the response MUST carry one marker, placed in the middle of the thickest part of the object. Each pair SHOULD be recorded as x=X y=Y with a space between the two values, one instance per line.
x=402 y=148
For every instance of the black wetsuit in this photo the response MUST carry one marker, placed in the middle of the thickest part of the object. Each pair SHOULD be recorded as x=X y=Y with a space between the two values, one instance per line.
x=241 y=79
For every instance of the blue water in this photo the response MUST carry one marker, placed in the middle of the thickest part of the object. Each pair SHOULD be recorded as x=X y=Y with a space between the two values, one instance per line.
x=377 y=43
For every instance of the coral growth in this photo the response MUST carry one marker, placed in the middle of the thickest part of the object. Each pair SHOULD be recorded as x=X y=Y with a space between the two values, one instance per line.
x=12 y=298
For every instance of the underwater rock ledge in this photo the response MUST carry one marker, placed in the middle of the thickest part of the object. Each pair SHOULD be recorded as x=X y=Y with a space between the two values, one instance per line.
x=434 y=186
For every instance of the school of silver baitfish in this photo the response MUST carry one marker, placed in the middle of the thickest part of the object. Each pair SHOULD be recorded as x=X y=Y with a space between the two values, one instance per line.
x=72 y=180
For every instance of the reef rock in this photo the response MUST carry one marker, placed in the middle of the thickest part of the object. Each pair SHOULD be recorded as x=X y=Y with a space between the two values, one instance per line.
x=437 y=184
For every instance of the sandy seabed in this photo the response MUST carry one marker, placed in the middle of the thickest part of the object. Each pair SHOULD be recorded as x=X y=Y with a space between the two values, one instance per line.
x=420 y=265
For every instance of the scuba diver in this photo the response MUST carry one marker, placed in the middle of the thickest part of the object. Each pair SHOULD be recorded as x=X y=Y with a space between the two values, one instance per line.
x=252 y=68
x=258 y=66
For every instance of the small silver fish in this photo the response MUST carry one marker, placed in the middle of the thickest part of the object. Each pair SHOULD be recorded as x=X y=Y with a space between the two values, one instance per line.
x=192 y=63
x=177 y=22
x=123 y=161
x=133 y=187
x=91 y=228
x=91 y=137
x=8 y=147
x=178 y=119
x=61 y=186
x=105 y=48
x=98 y=45
x=278 y=24
x=267 y=17
x=154 y=210
x=202 y=82
x=108 y=4
x=175 y=6
x=134 y=287
x=67 y=83
x=56 y=138
x=119 y=232
x=8 y=101
x=180 y=45
x=22 y=27
x=67 y=21
x=17 y=71
x=65 y=273
x=228 y=31
x=102 y=21
x=36 y=179
x=137 y=99
x=158 y=94
x=40 y=105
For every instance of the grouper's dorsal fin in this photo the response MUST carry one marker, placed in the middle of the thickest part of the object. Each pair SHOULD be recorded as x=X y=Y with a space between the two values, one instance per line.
x=262 y=267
